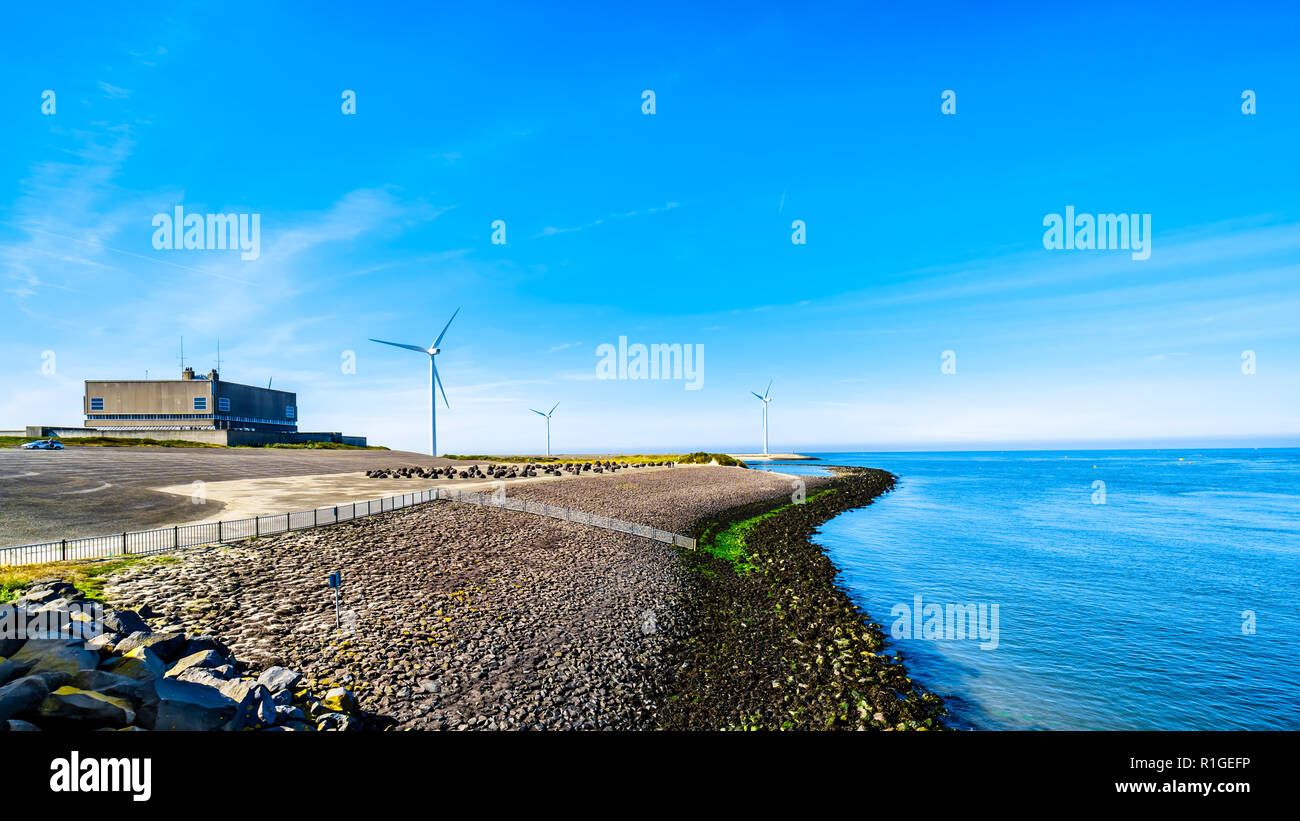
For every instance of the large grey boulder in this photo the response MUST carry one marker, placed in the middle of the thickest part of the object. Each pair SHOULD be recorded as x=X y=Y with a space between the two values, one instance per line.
x=186 y=705
x=53 y=678
x=137 y=691
x=57 y=586
x=69 y=704
x=140 y=663
x=17 y=725
x=203 y=658
x=63 y=618
x=125 y=622
x=21 y=696
x=11 y=636
x=202 y=675
x=338 y=722
x=256 y=708
x=339 y=700
x=104 y=643
x=39 y=596
x=68 y=656
x=285 y=713
x=166 y=645
x=197 y=644
x=278 y=679
x=184 y=716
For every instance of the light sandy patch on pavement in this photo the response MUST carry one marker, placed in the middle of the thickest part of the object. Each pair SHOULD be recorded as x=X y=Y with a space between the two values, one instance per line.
x=246 y=498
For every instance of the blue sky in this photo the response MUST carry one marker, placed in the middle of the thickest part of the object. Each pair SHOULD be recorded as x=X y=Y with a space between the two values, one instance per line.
x=924 y=231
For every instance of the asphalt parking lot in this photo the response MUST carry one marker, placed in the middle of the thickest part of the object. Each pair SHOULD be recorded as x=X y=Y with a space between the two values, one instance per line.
x=46 y=495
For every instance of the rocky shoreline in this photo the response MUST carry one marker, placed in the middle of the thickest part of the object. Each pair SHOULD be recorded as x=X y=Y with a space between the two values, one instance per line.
x=80 y=666
x=782 y=646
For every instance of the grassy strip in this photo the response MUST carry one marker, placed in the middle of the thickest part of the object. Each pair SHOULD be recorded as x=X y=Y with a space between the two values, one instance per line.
x=317 y=446
x=773 y=642
x=88 y=575
x=727 y=542
x=697 y=458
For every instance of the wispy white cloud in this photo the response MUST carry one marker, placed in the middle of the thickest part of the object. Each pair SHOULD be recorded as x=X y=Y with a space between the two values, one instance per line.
x=552 y=230
x=114 y=92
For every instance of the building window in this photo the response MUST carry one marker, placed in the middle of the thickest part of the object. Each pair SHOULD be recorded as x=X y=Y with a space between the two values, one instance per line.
x=97 y=403
x=200 y=403
x=288 y=411
x=223 y=404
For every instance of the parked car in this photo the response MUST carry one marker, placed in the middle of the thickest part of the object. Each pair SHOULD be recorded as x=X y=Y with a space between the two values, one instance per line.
x=44 y=444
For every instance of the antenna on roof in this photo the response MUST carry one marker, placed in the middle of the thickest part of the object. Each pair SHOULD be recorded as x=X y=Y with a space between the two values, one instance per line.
x=268 y=383
x=218 y=354
x=182 y=353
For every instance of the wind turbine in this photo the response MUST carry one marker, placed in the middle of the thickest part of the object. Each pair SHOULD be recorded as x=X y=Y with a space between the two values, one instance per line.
x=432 y=351
x=765 y=398
x=547 y=415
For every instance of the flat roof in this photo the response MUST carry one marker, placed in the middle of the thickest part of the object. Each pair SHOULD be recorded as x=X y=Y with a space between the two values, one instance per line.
x=195 y=379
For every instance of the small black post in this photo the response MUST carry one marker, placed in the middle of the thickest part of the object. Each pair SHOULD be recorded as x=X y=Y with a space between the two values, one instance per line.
x=335 y=582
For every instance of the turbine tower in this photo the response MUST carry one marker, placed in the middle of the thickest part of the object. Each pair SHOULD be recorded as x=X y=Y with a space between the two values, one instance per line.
x=432 y=351
x=547 y=415
x=765 y=398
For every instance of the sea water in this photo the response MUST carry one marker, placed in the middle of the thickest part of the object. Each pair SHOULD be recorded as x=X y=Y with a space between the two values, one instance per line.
x=1135 y=589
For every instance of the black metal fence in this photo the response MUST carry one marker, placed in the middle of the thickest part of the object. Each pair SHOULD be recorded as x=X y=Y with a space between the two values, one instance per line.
x=161 y=540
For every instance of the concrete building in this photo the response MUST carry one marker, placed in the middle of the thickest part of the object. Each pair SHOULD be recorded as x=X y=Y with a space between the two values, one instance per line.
x=189 y=403
x=193 y=408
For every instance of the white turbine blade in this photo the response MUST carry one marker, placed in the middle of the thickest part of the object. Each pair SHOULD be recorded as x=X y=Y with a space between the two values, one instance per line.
x=756 y=396
x=400 y=345
x=769 y=388
x=539 y=413
x=552 y=410
x=438 y=379
x=438 y=341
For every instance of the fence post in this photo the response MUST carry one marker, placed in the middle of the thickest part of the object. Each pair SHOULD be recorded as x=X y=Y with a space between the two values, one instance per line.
x=63 y=550
x=336 y=514
x=257 y=526
x=286 y=523
x=176 y=536
x=123 y=543
x=218 y=531
x=315 y=517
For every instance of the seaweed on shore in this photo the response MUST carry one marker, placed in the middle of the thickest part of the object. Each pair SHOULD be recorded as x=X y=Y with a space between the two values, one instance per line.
x=775 y=643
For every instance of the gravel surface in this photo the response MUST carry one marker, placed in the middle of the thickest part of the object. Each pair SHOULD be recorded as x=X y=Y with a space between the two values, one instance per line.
x=680 y=499
x=458 y=616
